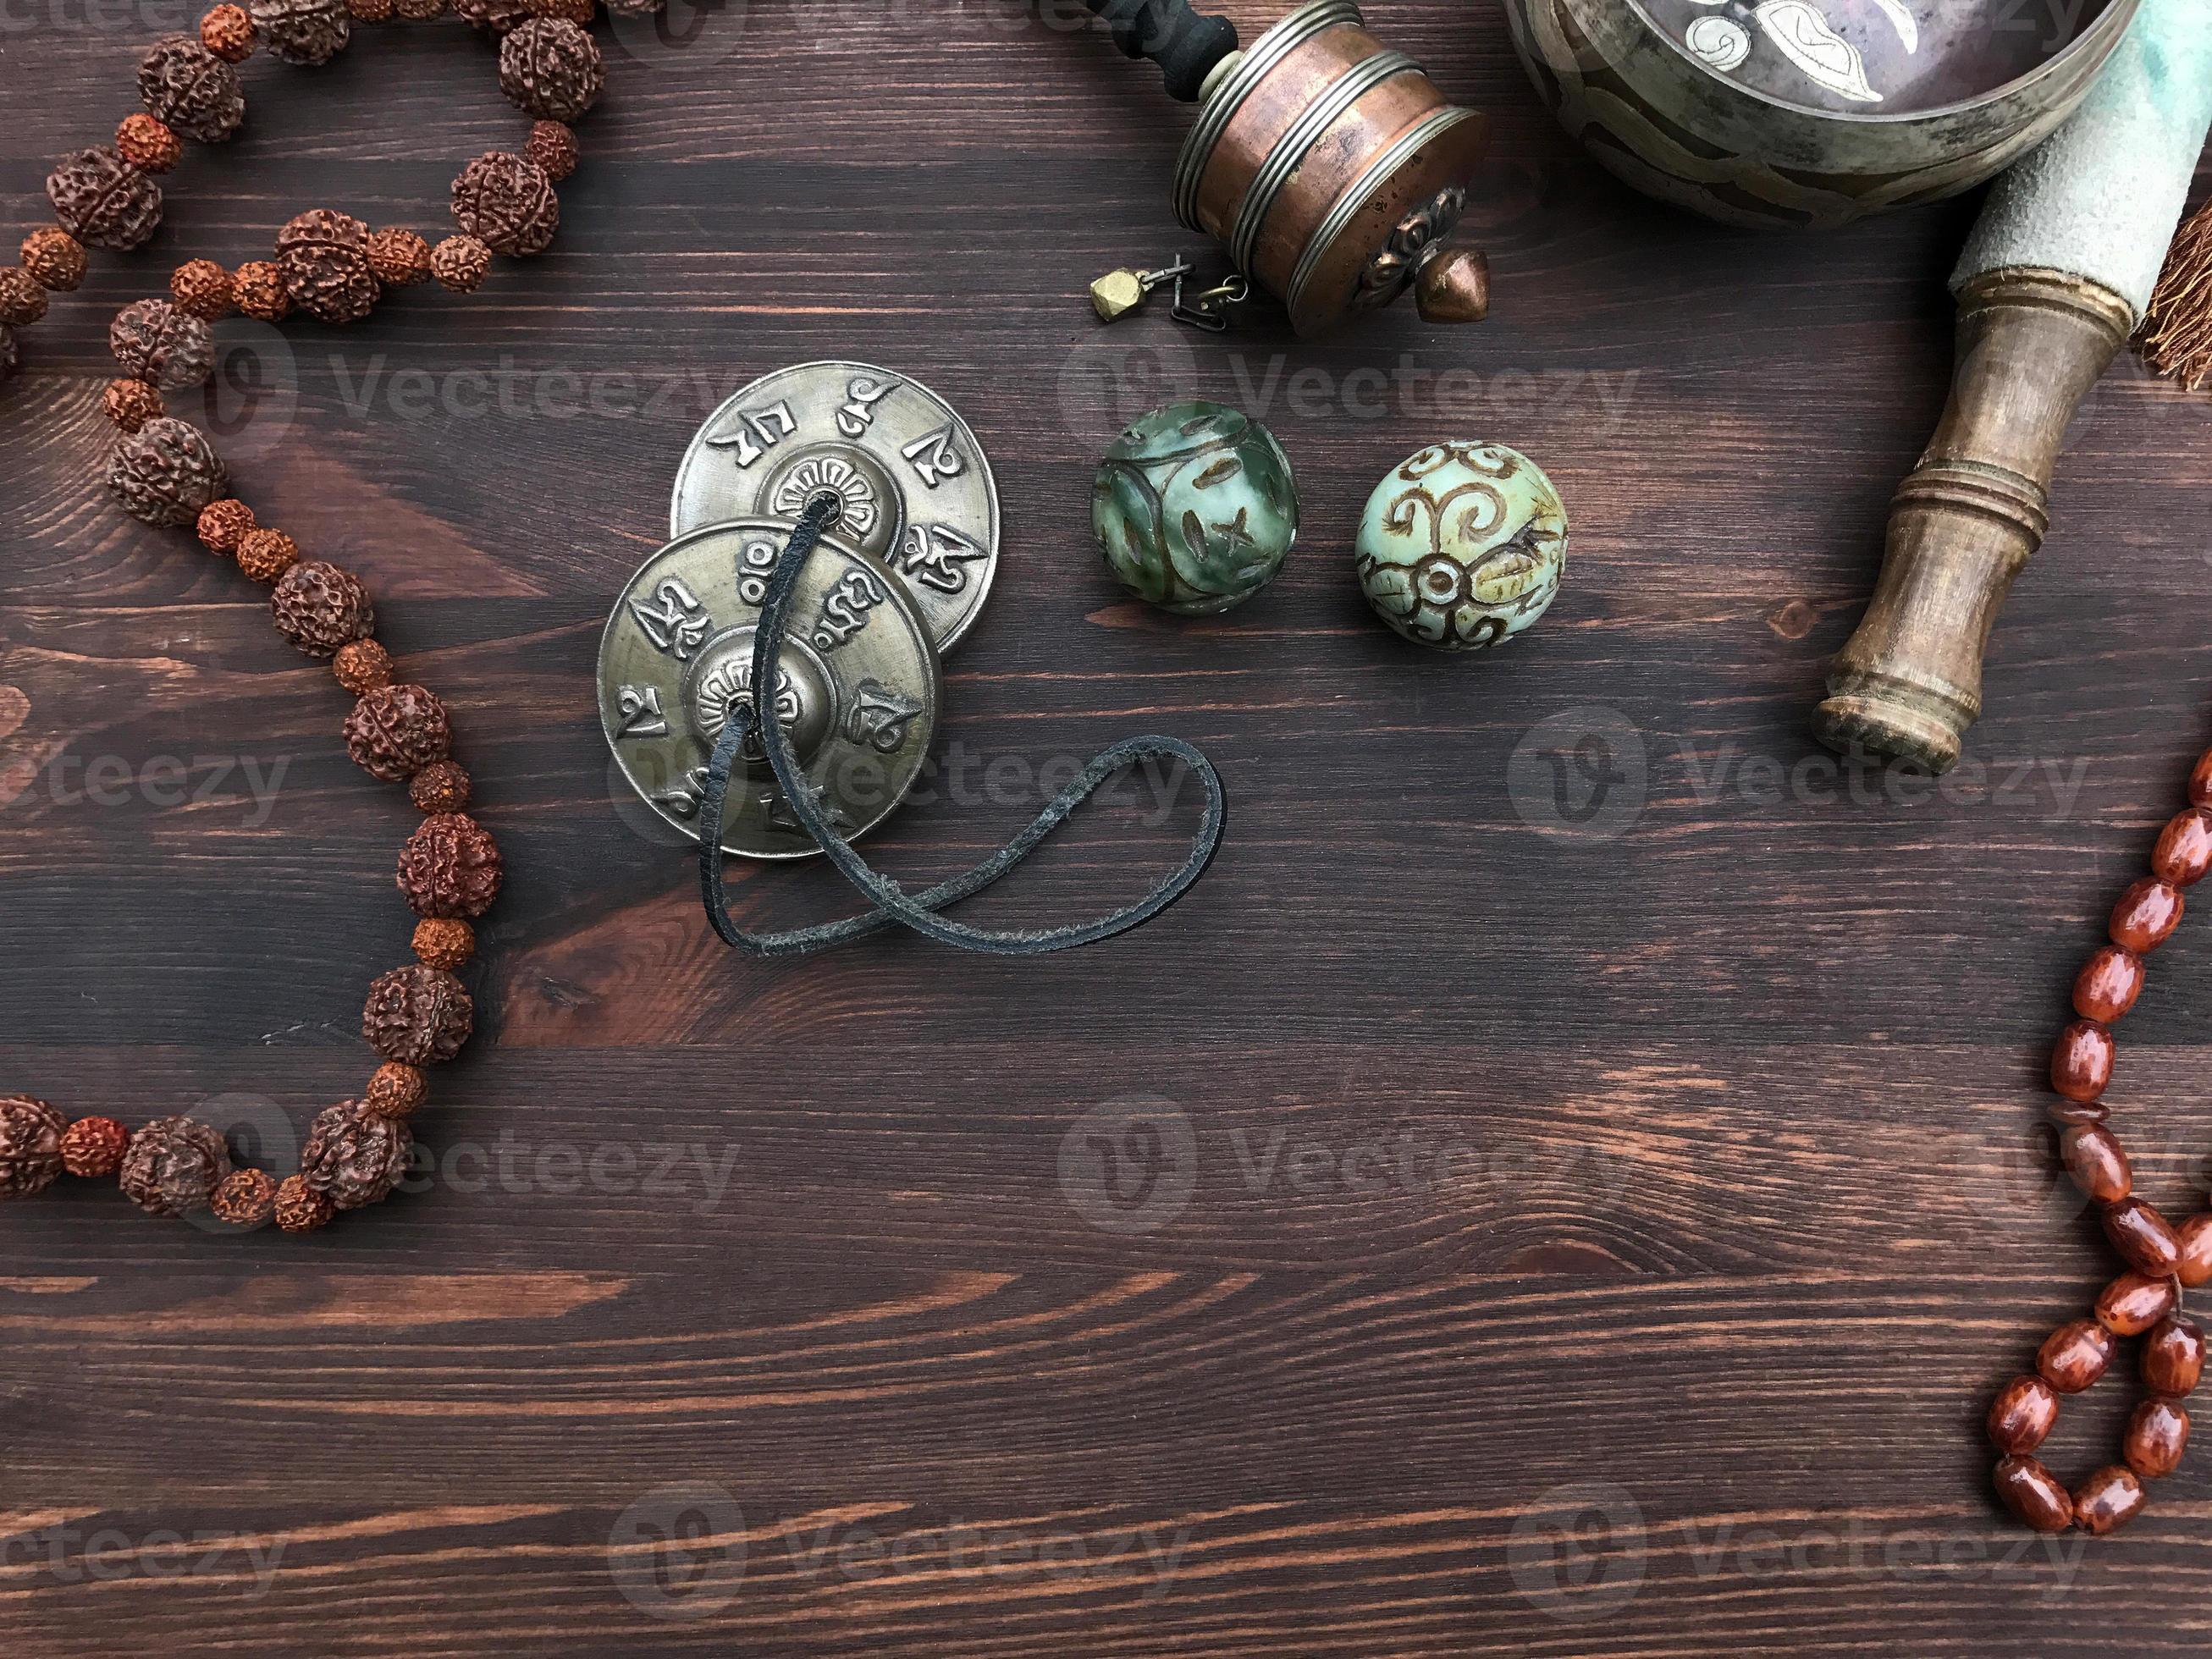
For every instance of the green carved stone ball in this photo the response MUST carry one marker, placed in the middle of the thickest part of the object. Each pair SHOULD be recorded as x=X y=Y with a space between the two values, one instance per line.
x=1194 y=507
x=1464 y=546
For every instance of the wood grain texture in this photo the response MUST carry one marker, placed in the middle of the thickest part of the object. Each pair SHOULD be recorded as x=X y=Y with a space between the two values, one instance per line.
x=1557 y=1244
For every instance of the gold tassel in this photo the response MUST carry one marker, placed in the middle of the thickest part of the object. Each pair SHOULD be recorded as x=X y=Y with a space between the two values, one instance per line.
x=2177 y=334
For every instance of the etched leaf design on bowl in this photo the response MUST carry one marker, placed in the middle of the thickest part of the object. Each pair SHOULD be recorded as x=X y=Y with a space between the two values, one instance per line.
x=1802 y=30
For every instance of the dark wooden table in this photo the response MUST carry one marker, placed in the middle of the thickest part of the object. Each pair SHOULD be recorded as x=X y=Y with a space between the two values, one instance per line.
x=1579 y=1218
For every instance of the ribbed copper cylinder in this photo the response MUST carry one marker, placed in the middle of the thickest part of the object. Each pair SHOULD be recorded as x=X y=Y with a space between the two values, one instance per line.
x=1329 y=165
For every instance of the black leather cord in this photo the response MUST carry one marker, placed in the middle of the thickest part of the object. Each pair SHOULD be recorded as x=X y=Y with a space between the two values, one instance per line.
x=891 y=901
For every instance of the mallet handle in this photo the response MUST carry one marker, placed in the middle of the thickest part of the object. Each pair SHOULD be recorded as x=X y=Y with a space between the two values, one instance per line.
x=2032 y=344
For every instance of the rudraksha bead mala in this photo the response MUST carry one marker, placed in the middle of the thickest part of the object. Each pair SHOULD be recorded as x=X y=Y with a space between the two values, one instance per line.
x=2163 y=1261
x=164 y=470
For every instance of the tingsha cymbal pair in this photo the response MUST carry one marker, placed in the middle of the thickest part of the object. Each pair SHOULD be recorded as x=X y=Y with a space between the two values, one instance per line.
x=836 y=528
x=902 y=578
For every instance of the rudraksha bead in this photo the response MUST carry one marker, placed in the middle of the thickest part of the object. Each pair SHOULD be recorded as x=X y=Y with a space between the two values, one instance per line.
x=553 y=147
x=507 y=203
x=444 y=942
x=22 y=299
x=202 y=288
x=398 y=258
x=103 y=201
x=396 y=730
x=304 y=31
x=363 y=666
x=165 y=472
x=227 y=32
x=460 y=263
x=371 y=11
x=147 y=143
x=440 y=788
x=156 y=341
x=496 y=15
x=131 y=403
x=551 y=68
x=396 y=1092
x=55 y=259
x=417 y=1016
x=188 y=88
x=265 y=555
x=352 y=1157
x=257 y=287
x=421 y=12
x=324 y=257
x=300 y=1208
x=320 y=606
x=450 y=867
x=30 y=1146
x=245 y=1197
x=173 y=1165
x=93 y=1146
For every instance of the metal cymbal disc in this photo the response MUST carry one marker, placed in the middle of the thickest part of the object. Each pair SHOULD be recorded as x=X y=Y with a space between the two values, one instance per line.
x=917 y=490
x=858 y=687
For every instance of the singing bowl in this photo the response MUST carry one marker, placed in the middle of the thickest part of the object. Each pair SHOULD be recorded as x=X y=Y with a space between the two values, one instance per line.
x=1804 y=114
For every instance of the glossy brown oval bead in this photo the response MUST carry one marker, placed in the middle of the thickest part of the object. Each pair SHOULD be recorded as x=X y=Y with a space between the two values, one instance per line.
x=2108 y=1500
x=2194 y=1267
x=2200 y=781
x=2108 y=984
x=2073 y=1357
x=2157 y=1436
x=2146 y=915
x=2032 y=1493
x=2133 y=1303
x=2184 y=853
x=2022 y=1415
x=2142 y=1236
x=2174 y=1357
x=2095 y=1161
x=2081 y=1060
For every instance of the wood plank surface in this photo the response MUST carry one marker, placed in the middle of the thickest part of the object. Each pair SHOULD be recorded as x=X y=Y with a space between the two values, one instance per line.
x=1535 y=1223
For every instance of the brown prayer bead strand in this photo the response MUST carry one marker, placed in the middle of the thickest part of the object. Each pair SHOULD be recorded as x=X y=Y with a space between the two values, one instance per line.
x=335 y=268
x=188 y=82
x=2163 y=1258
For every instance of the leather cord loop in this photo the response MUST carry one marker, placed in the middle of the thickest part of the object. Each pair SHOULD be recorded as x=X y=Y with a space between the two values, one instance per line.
x=891 y=902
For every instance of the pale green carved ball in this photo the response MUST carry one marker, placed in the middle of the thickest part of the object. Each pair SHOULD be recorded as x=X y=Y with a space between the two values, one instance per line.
x=1195 y=508
x=1464 y=546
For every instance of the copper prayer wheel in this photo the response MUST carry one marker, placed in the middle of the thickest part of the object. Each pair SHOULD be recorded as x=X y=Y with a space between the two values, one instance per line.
x=1335 y=172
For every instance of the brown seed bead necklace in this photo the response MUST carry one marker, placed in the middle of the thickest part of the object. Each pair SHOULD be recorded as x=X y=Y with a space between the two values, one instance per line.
x=2163 y=1260
x=164 y=471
